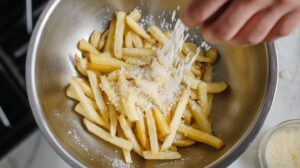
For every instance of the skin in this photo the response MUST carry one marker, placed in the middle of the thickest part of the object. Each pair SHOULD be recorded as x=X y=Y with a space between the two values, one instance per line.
x=243 y=22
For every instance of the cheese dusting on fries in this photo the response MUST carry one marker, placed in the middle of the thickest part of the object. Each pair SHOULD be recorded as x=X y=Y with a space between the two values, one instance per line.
x=146 y=90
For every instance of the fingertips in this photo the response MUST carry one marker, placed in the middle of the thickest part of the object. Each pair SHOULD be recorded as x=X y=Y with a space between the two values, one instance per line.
x=186 y=15
x=199 y=11
x=285 y=26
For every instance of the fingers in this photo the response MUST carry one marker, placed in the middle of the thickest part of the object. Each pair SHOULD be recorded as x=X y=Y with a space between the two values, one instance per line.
x=258 y=27
x=198 y=11
x=232 y=20
x=286 y=25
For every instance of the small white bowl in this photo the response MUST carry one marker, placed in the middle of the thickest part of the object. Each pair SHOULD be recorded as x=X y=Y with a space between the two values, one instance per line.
x=264 y=142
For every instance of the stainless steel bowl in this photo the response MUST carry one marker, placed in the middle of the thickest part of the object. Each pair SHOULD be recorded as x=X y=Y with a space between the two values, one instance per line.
x=237 y=114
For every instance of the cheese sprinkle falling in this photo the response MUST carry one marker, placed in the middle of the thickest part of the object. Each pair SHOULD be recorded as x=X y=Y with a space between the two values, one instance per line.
x=161 y=81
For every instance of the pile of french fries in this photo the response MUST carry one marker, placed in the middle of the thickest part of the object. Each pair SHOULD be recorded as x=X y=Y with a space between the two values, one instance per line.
x=116 y=114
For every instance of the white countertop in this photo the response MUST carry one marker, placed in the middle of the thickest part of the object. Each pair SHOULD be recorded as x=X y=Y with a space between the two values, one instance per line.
x=35 y=152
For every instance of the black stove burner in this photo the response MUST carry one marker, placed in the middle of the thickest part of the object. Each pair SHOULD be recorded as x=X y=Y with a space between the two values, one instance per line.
x=16 y=120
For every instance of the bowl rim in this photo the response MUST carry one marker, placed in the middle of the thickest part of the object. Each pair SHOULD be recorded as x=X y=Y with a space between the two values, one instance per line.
x=224 y=161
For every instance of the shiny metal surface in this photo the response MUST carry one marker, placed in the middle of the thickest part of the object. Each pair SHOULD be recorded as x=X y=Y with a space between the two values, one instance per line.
x=237 y=114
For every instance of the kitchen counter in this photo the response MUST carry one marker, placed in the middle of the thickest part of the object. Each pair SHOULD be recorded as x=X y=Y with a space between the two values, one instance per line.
x=35 y=152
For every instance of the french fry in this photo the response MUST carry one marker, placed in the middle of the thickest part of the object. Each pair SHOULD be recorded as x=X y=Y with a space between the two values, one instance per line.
x=93 y=57
x=102 y=41
x=88 y=108
x=173 y=148
x=119 y=33
x=104 y=59
x=200 y=136
x=187 y=116
x=158 y=34
x=161 y=122
x=189 y=48
x=137 y=41
x=183 y=142
x=113 y=76
x=130 y=135
x=101 y=68
x=79 y=109
x=183 y=100
x=191 y=81
x=200 y=58
x=71 y=93
x=196 y=72
x=128 y=99
x=85 y=86
x=194 y=94
x=97 y=93
x=202 y=92
x=110 y=36
x=113 y=118
x=135 y=15
x=120 y=142
x=105 y=64
x=127 y=156
x=142 y=133
x=126 y=153
x=160 y=137
x=95 y=38
x=210 y=99
x=136 y=61
x=152 y=132
x=148 y=45
x=110 y=93
x=85 y=46
x=199 y=116
x=138 y=52
x=212 y=53
x=81 y=65
x=208 y=74
x=138 y=29
x=166 y=155
x=216 y=87
x=128 y=40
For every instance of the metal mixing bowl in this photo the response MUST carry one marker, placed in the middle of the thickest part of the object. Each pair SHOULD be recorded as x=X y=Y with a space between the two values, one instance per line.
x=238 y=113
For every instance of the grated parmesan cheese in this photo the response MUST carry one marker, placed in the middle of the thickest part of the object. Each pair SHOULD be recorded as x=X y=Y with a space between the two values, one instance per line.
x=283 y=148
x=160 y=83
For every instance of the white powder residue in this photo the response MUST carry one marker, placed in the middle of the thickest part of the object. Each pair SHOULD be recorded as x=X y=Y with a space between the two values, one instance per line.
x=283 y=148
x=117 y=163
x=285 y=75
x=77 y=140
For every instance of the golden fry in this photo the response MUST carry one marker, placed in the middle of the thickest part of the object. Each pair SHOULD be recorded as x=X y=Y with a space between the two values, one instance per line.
x=95 y=38
x=120 y=142
x=119 y=33
x=138 y=29
x=130 y=135
x=200 y=136
x=176 y=119
x=152 y=131
x=199 y=116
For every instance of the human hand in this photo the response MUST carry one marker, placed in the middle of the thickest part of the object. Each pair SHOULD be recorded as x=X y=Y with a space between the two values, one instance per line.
x=243 y=22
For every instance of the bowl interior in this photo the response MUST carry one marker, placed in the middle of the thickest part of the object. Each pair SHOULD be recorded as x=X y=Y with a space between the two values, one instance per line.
x=234 y=113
